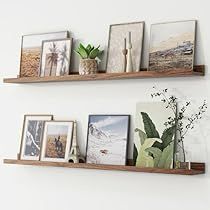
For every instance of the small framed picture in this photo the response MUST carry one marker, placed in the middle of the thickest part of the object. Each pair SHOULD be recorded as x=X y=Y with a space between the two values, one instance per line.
x=55 y=58
x=31 y=48
x=107 y=139
x=172 y=45
x=57 y=137
x=31 y=140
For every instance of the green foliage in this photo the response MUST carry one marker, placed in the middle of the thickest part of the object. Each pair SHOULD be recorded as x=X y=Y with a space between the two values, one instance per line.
x=144 y=159
x=166 y=157
x=167 y=136
x=142 y=135
x=149 y=126
x=154 y=151
x=88 y=52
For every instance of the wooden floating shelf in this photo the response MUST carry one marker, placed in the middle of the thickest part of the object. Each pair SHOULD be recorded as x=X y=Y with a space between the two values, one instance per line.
x=197 y=71
x=196 y=168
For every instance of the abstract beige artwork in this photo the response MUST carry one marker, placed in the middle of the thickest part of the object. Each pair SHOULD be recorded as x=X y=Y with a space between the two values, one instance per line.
x=117 y=35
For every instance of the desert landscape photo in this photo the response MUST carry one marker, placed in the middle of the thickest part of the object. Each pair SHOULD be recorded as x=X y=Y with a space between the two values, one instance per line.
x=31 y=51
x=30 y=59
x=172 y=46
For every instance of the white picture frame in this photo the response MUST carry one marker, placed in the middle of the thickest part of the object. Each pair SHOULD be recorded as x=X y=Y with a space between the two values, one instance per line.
x=57 y=138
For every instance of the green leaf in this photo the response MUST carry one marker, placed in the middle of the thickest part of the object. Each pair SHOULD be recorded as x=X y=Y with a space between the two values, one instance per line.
x=144 y=159
x=156 y=154
x=135 y=154
x=94 y=53
x=89 y=48
x=142 y=135
x=149 y=126
x=166 y=159
x=167 y=136
x=83 y=53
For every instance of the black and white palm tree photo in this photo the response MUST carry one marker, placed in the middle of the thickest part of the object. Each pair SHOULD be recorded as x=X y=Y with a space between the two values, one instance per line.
x=55 y=59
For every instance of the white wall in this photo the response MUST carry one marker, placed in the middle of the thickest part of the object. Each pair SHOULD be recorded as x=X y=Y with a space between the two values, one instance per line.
x=36 y=188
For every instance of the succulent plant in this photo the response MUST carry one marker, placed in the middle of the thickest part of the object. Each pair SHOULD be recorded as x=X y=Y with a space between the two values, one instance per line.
x=89 y=52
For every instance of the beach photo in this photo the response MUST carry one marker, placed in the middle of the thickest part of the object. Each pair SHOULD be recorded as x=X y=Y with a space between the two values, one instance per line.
x=31 y=51
x=107 y=139
x=55 y=58
x=56 y=141
x=172 y=45
x=32 y=136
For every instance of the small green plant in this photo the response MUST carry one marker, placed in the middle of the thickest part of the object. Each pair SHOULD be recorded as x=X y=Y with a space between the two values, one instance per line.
x=89 y=52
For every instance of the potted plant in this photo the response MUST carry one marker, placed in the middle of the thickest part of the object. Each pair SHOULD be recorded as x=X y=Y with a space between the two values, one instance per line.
x=88 y=59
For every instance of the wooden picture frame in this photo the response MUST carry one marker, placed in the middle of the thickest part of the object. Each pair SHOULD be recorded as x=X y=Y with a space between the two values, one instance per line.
x=137 y=46
x=32 y=152
x=92 y=157
x=31 y=51
x=59 y=55
x=175 y=51
x=57 y=139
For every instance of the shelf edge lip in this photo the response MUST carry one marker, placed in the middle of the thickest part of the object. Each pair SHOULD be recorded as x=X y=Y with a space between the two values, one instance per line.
x=107 y=167
x=198 y=70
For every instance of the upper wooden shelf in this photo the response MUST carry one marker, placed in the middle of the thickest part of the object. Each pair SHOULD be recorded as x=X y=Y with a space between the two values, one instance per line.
x=196 y=168
x=197 y=71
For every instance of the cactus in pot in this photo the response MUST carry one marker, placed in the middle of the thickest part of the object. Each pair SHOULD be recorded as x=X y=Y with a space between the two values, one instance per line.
x=88 y=59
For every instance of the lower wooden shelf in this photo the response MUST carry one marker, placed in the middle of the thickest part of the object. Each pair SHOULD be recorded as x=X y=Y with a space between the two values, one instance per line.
x=196 y=168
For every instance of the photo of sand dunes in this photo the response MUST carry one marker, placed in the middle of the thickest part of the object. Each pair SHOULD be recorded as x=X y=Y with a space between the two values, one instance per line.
x=31 y=52
x=172 y=45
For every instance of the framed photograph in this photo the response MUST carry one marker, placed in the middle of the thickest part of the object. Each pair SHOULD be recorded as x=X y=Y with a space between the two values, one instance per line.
x=55 y=58
x=31 y=51
x=56 y=142
x=153 y=140
x=172 y=45
x=116 y=44
x=31 y=140
x=107 y=139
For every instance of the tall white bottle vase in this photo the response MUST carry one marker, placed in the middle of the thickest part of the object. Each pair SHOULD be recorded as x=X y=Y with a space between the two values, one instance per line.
x=129 y=66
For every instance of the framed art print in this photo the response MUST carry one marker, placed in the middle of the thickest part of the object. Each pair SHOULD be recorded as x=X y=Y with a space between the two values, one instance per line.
x=153 y=140
x=32 y=136
x=118 y=35
x=31 y=48
x=172 y=45
x=107 y=139
x=57 y=137
x=55 y=58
